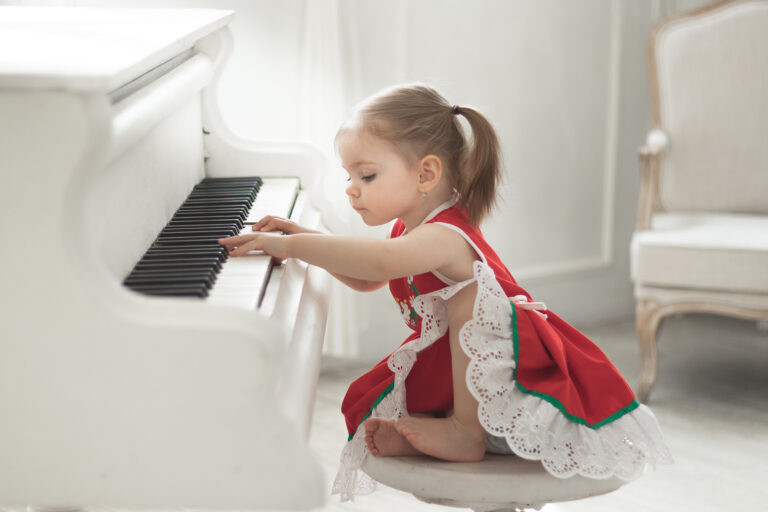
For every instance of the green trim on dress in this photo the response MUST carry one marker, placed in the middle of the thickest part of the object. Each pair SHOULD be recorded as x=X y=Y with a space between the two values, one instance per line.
x=375 y=403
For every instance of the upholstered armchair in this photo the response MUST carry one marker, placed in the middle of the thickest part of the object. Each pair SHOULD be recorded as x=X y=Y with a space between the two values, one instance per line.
x=701 y=243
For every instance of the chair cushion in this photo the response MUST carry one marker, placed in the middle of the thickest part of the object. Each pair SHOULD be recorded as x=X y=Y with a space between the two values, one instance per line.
x=723 y=251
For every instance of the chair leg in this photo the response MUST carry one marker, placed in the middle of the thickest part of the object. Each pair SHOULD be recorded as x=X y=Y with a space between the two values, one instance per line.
x=647 y=320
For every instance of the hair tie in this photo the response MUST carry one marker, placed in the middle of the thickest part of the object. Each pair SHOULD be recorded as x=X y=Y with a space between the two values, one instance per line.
x=456 y=111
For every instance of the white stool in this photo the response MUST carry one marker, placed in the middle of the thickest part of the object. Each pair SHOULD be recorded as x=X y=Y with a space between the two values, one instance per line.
x=498 y=483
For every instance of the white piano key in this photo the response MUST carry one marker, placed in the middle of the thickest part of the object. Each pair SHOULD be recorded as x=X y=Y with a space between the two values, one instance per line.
x=275 y=197
x=240 y=282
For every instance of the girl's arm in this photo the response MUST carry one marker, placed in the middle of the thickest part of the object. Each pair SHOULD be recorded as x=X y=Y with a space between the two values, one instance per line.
x=271 y=223
x=426 y=248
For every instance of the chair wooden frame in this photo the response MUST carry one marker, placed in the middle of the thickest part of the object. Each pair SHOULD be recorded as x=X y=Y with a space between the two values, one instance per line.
x=648 y=312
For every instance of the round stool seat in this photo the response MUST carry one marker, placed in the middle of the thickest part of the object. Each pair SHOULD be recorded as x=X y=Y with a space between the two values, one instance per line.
x=499 y=482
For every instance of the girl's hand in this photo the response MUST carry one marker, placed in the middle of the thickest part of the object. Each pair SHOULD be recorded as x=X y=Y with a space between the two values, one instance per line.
x=273 y=244
x=272 y=223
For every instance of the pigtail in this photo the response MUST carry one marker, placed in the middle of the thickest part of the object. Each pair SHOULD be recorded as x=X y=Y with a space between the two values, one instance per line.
x=479 y=169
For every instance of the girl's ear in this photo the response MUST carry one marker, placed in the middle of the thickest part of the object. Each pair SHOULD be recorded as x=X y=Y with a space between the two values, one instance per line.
x=430 y=172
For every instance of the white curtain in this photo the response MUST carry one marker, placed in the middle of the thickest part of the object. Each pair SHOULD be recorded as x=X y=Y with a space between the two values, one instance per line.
x=323 y=105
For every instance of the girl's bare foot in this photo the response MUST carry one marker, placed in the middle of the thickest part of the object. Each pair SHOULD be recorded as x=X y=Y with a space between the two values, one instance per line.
x=444 y=438
x=382 y=439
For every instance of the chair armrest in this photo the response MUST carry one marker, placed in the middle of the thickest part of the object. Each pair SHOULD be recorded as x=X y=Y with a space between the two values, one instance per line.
x=655 y=143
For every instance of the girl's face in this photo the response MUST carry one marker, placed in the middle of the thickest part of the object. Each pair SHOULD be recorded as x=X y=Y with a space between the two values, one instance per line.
x=382 y=185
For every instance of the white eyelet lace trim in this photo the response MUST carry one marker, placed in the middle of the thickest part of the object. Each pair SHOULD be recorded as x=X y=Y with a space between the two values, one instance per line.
x=533 y=428
x=350 y=480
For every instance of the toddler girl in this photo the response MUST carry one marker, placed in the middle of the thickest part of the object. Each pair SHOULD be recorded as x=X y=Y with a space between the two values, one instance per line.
x=486 y=368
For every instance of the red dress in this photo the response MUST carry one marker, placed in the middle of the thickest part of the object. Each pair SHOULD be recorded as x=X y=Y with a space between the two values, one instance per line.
x=541 y=384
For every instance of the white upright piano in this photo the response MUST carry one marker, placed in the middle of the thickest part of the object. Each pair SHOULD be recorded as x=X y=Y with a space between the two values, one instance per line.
x=110 y=396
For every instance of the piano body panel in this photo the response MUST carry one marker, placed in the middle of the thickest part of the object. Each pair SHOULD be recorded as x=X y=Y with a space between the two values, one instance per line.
x=142 y=415
x=112 y=398
x=45 y=152
x=135 y=114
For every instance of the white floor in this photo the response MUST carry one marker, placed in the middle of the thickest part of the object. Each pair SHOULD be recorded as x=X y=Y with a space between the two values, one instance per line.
x=711 y=400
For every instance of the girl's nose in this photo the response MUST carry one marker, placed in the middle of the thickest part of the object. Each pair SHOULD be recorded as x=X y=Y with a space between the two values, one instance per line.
x=353 y=191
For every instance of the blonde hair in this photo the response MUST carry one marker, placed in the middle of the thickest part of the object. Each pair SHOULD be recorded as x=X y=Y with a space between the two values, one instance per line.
x=418 y=121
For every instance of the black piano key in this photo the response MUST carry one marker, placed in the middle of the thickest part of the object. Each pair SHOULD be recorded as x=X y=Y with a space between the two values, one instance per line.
x=201 y=273
x=210 y=207
x=224 y=193
x=166 y=252
x=235 y=193
x=206 y=224
x=175 y=269
x=162 y=252
x=203 y=216
x=179 y=228
x=204 y=221
x=170 y=260
x=214 y=187
x=169 y=280
x=191 y=238
x=186 y=290
x=243 y=203
x=187 y=242
x=167 y=257
x=210 y=213
x=174 y=264
x=214 y=181
x=200 y=225
x=186 y=232
x=178 y=264
x=206 y=251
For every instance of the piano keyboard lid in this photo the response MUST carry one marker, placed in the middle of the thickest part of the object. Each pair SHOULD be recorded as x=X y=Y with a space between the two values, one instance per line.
x=95 y=50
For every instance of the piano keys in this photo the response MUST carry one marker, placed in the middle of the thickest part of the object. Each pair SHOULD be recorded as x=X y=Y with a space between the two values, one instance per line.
x=115 y=398
x=186 y=257
x=185 y=260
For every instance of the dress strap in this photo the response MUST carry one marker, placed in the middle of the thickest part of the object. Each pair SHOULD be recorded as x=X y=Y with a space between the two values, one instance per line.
x=452 y=289
x=518 y=300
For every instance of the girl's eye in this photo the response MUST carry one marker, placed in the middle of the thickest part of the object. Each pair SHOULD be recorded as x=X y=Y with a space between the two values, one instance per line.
x=349 y=178
x=368 y=177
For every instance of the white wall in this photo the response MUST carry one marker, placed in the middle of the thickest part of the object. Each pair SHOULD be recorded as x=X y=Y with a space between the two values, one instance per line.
x=563 y=82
